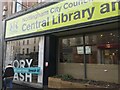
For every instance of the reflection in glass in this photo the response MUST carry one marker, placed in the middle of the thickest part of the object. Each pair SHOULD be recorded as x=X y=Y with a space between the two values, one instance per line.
x=23 y=55
x=104 y=47
x=100 y=48
x=68 y=52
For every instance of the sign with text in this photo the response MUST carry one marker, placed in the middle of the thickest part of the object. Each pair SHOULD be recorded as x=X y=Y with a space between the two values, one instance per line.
x=32 y=70
x=80 y=50
x=65 y=13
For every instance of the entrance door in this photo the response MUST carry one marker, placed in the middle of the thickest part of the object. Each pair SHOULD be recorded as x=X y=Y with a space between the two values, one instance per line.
x=50 y=58
x=109 y=56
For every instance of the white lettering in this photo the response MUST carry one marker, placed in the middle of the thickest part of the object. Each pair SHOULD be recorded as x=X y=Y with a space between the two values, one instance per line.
x=29 y=62
x=21 y=77
x=16 y=76
x=28 y=77
x=16 y=64
x=22 y=63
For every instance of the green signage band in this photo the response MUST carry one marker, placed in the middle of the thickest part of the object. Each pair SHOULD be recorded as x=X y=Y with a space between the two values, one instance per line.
x=65 y=13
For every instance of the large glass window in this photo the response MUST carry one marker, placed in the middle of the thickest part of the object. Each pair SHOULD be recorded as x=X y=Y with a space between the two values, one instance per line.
x=27 y=62
x=104 y=46
x=100 y=48
x=69 y=49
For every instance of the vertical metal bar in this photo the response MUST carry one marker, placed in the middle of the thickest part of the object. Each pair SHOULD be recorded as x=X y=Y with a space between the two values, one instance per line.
x=118 y=35
x=1 y=44
x=85 y=66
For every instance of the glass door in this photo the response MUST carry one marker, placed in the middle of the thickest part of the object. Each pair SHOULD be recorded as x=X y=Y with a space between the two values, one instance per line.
x=109 y=56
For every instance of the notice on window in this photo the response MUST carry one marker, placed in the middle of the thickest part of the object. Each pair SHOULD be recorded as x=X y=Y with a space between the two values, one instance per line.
x=80 y=50
x=88 y=49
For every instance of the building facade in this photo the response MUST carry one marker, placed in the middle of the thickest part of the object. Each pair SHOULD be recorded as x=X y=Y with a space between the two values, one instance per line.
x=80 y=38
x=1 y=44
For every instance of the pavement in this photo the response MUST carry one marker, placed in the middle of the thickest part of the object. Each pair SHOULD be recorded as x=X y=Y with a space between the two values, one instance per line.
x=21 y=87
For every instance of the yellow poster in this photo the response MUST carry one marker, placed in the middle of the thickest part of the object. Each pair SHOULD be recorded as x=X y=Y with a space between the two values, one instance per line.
x=65 y=13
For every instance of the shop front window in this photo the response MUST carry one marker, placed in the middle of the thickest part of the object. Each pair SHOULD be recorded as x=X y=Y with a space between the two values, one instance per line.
x=104 y=47
x=28 y=65
x=100 y=48
x=69 y=50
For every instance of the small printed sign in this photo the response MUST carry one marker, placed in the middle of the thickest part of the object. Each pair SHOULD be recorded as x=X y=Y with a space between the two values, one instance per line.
x=80 y=50
x=30 y=70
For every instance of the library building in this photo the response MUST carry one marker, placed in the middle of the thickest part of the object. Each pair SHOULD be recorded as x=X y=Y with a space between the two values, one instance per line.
x=79 y=38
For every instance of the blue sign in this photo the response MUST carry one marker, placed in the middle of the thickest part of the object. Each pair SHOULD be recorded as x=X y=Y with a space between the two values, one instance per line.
x=30 y=70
